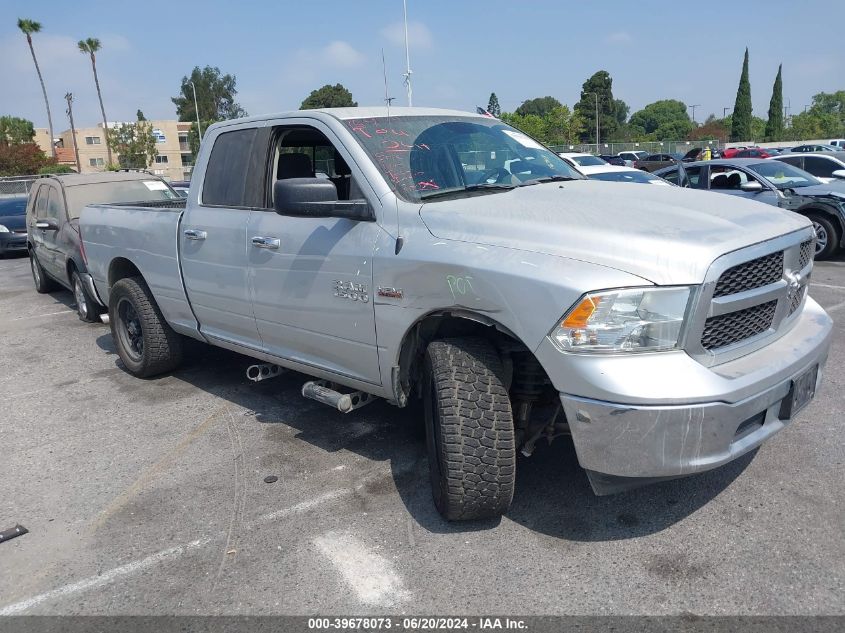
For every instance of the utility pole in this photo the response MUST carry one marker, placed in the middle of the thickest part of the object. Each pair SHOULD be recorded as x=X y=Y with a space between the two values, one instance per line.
x=694 y=106
x=69 y=111
x=596 y=95
x=197 y=110
x=407 y=54
x=725 y=112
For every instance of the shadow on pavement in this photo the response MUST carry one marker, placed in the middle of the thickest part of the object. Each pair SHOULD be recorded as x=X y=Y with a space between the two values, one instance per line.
x=553 y=495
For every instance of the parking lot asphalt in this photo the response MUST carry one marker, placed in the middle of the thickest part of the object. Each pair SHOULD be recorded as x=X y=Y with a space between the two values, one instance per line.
x=148 y=497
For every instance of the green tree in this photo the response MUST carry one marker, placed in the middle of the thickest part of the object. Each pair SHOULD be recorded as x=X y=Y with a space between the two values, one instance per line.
x=28 y=27
x=601 y=84
x=532 y=124
x=712 y=129
x=15 y=130
x=215 y=96
x=140 y=115
x=560 y=126
x=134 y=144
x=742 y=113
x=493 y=105
x=90 y=47
x=665 y=120
x=328 y=97
x=540 y=106
x=774 y=126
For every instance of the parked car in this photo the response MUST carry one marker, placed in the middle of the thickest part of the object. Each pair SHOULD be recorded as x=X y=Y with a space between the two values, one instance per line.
x=814 y=148
x=826 y=166
x=612 y=159
x=12 y=225
x=838 y=143
x=753 y=152
x=653 y=162
x=504 y=303
x=181 y=187
x=52 y=219
x=582 y=161
x=777 y=183
x=612 y=173
x=730 y=152
x=630 y=156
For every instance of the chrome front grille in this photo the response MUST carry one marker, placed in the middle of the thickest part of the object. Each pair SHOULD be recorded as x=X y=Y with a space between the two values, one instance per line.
x=727 y=329
x=749 y=296
x=750 y=275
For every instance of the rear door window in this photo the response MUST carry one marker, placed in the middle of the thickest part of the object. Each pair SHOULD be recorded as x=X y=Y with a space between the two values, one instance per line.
x=797 y=161
x=229 y=167
x=820 y=167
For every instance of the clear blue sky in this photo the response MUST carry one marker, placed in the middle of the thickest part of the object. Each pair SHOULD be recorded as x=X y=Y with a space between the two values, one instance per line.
x=460 y=51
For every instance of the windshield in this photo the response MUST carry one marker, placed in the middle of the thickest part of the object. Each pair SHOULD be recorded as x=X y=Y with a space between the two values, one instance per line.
x=587 y=160
x=116 y=191
x=427 y=156
x=783 y=175
x=629 y=176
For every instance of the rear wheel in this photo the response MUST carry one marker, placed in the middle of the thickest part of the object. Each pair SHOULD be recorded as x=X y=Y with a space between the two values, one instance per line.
x=86 y=307
x=469 y=429
x=827 y=237
x=43 y=283
x=146 y=344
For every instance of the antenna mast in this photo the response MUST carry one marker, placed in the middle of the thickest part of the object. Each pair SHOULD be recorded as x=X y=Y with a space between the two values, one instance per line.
x=407 y=54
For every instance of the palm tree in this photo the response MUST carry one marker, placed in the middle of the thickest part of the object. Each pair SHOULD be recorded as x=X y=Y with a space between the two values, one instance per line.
x=90 y=47
x=28 y=27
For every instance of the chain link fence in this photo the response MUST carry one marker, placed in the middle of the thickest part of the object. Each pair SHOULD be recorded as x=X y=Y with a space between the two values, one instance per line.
x=16 y=185
x=652 y=147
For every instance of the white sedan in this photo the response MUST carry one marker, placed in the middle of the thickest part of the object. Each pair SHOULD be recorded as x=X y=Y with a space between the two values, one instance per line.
x=584 y=162
x=826 y=166
x=624 y=174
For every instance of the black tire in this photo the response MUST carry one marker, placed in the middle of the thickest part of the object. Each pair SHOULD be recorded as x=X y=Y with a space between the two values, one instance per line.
x=827 y=235
x=469 y=430
x=43 y=283
x=146 y=344
x=87 y=308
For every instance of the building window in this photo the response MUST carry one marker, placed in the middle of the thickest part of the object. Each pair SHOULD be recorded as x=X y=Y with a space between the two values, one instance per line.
x=96 y=162
x=92 y=140
x=159 y=136
x=187 y=160
x=159 y=172
x=161 y=160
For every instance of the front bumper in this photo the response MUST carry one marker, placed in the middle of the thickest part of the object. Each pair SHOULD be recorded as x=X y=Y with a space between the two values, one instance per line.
x=704 y=417
x=12 y=242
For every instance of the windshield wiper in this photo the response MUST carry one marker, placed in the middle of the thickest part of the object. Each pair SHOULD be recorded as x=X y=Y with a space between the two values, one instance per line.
x=484 y=186
x=537 y=181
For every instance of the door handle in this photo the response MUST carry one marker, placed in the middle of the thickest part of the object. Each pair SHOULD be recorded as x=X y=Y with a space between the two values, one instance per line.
x=194 y=234
x=266 y=242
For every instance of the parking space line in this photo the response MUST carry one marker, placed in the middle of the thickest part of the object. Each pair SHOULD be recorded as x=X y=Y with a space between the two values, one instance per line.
x=368 y=574
x=38 y=316
x=818 y=285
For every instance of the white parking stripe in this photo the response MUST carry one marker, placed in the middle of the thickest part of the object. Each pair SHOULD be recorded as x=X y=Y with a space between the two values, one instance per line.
x=369 y=575
x=38 y=316
x=818 y=285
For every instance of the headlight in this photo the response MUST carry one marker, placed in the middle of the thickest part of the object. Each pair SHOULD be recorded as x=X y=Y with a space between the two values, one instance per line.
x=624 y=320
x=3 y=229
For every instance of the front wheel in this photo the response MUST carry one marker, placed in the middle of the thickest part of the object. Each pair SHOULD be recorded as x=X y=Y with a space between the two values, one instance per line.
x=86 y=307
x=827 y=237
x=146 y=344
x=469 y=429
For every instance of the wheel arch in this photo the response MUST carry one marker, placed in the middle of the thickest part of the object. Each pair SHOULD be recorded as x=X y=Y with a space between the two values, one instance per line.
x=120 y=268
x=828 y=212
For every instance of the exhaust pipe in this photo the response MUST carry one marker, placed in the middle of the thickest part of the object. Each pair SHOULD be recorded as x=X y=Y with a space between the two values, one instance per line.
x=320 y=391
x=263 y=371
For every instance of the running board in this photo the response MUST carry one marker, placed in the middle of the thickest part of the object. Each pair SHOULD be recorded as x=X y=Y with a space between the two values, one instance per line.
x=262 y=371
x=322 y=391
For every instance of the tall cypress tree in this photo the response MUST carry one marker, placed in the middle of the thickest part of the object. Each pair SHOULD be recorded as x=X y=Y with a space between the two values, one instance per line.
x=741 y=120
x=774 y=127
x=493 y=105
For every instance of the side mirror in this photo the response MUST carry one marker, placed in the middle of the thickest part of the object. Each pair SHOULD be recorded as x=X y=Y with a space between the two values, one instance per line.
x=752 y=186
x=47 y=225
x=316 y=198
x=839 y=173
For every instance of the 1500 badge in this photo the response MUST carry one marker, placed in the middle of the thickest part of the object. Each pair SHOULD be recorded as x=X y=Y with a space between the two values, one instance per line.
x=351 y=290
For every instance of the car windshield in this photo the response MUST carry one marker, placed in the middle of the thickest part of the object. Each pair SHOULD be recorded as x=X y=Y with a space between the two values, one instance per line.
x=783 y=175
x=116 y=191
x=587 y=161
x=13 y=206
x=424 y=157
x=628 y=176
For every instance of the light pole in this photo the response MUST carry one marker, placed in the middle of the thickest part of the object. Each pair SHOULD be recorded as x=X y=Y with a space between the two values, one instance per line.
x=725 y=112
x=596 y=95
x=694 y=106
x=407 y=53
x=197 y=110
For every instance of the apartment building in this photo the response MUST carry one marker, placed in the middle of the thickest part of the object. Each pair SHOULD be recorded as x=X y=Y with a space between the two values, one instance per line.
x=173 y=160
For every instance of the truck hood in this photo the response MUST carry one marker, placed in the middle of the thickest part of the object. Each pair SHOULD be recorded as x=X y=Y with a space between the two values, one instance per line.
x=666 y=235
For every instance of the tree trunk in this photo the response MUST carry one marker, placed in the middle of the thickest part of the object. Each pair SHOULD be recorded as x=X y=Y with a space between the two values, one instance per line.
x=44 y=92
x=102 y=109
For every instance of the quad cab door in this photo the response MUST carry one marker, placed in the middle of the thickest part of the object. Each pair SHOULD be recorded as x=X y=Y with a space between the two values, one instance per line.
x=311 y=278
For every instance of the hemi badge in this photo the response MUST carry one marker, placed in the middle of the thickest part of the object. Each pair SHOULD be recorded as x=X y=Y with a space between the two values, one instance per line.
x=391 y=293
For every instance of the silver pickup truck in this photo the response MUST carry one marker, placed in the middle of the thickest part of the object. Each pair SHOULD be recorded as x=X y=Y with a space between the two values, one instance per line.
x=447 y=261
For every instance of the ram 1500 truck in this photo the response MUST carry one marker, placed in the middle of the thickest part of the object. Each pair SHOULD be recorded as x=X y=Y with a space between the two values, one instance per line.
x=447 y=261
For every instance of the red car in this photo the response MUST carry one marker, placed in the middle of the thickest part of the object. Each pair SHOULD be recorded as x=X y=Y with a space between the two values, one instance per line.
x=753 y=152
x=730 y=152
